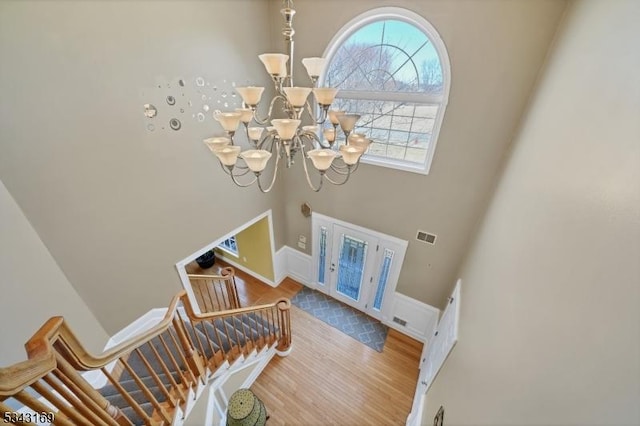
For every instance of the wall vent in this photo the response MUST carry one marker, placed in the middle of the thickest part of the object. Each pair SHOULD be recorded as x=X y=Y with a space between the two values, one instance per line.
x=425 y=237
x=399 y=321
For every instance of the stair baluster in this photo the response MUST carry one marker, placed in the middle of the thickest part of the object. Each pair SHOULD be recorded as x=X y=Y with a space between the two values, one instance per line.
x=155 y=372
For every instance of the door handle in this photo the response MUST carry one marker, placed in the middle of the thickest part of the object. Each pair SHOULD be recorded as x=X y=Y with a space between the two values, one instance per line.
x=332 y=267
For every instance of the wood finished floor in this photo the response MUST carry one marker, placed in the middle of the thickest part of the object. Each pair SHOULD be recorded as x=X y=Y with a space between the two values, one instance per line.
x=330 y=378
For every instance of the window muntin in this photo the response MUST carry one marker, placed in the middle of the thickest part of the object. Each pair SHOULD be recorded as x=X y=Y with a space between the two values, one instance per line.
x=392 y=68
x=322 y=257
x=386 y=56
x=383 y=278
x=230 y=245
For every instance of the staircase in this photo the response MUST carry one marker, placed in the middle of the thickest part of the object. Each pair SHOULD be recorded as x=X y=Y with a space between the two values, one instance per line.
x=154 y=378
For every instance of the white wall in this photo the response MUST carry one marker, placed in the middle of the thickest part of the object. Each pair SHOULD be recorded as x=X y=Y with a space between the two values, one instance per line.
x=34 y=288
x=116 y=204
x=550 y=320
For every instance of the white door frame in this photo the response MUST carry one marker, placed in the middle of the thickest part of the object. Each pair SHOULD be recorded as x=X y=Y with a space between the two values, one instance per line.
x=398 y=245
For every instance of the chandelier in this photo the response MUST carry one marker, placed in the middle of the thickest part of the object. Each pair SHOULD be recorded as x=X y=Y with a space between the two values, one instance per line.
x=285 y=137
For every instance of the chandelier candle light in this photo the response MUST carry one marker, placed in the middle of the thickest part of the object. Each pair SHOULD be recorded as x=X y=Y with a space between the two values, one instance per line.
x=286 y=137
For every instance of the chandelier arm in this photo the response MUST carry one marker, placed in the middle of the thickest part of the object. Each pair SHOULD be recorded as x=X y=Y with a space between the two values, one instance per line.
x=340 y=170
x=324 y=113
x=226 y=170
x=275 y=173
x=271 y=136
x=265 y=120
x=306 y=171
x=245 y=169
x=252 y=143
x=348 y=175
x=314 y=136
x=242 y=185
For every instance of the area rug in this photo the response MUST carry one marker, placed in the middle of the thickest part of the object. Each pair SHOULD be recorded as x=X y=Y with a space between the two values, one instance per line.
x=350 y=321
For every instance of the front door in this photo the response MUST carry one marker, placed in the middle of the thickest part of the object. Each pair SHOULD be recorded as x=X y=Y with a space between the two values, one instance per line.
x=352 y=267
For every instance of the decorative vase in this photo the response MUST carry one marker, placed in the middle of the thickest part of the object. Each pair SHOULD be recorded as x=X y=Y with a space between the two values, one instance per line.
x=245 y=409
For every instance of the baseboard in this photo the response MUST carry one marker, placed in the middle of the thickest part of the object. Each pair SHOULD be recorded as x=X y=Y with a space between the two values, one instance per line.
x=249 y=271
x=421 y=319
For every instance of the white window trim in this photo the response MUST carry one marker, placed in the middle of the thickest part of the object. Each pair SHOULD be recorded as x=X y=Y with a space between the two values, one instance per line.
x=418 y=21
x=228 y=250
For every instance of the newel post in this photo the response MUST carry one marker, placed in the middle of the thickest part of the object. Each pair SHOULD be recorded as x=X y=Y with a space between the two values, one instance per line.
x=192 y=356
x=284 y=316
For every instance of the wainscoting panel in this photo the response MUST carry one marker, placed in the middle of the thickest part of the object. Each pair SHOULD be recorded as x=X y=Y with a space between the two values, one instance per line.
x=298 y=266
x=280 y=269
x=420 y=319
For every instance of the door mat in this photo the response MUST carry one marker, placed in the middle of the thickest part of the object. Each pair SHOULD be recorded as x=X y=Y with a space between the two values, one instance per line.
x=350 y=321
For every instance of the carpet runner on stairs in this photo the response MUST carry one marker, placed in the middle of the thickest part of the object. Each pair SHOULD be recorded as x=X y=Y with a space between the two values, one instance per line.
x=205 y=337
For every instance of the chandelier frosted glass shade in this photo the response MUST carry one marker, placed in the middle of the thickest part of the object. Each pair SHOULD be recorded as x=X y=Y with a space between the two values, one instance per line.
x=275 y=63
x=348 y=121
x=325 y=95
x=255 y=133
x=256 y=159
x=246 y=114
x=322 y=158
x=334 y=116
x=228 y=155
x=250 y=95
x=286 y=128
x=359 y=141
x=350 y=154
x=228 y=120
x=297 y=96
x=329 y=135
x=216 y=142
x=314 y=66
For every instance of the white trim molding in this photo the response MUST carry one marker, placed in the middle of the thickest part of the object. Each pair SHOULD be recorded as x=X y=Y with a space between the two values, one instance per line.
x=421 y=319
x=432 y=34
x=298 y=266
x=181 y=265
x=254 y=274
x=280 y=268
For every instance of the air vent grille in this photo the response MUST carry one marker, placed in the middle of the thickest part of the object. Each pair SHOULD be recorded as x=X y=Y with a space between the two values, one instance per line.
x=399 y=321
x=425 y=237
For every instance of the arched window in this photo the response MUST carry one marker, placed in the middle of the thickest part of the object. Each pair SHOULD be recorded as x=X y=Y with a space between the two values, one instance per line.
x=392 y=68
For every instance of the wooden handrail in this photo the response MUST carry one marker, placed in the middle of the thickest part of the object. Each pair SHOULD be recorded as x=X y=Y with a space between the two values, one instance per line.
x=188 y=307
x=55 y=355
x=42 y=360
x=42 y=355
x=83 y=360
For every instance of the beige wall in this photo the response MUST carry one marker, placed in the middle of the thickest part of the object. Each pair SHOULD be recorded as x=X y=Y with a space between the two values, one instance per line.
x=254 y=249
x=496 y=48
x=117 y=205
x=550 y=321
x=34 y=288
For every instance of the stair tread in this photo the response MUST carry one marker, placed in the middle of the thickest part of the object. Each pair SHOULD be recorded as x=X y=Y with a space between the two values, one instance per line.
x=228 y=334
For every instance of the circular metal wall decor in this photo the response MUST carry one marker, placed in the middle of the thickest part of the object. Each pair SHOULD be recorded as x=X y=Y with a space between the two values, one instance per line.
x=150 y=111
x=175 y=124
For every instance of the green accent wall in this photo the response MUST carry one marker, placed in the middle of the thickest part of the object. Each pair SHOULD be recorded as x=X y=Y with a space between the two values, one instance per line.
x=254 y=249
